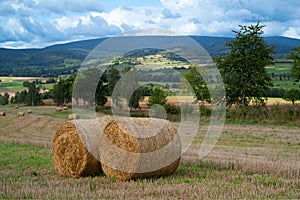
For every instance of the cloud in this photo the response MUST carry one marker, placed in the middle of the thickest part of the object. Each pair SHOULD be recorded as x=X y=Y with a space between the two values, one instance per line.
x=41 y=22
x=168 y=14
x=7 y=9
x=93 y=26
x=136 y=18
x=65 y=6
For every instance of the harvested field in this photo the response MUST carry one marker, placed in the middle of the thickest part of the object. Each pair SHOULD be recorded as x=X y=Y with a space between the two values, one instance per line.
x=248 y=162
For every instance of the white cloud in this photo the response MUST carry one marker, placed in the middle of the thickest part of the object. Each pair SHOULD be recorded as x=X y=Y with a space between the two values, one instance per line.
x=40 y=22
x=135 y=18
x=292 y=32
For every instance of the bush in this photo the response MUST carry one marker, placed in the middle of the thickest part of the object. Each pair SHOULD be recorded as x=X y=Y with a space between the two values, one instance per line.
x=204 y=111
x=172 y=109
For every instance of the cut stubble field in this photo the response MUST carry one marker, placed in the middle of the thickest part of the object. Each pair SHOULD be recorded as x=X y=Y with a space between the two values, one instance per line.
x=248 y=161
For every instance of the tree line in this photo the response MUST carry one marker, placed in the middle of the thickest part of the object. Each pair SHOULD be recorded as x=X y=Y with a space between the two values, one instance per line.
x=242 y=70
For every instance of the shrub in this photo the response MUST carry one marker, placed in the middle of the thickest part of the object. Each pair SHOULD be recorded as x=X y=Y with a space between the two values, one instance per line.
x=172 y=109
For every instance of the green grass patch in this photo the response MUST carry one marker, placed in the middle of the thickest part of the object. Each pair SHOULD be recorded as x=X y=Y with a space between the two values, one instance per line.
x=21 y=157
x=286 y=84
x=59 y=115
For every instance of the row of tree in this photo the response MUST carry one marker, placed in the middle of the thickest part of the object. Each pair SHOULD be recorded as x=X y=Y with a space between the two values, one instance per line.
x=31 y=96
x=242 y=69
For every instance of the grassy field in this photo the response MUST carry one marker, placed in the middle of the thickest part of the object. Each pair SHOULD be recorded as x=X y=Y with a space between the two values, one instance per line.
x=15 y=84
x=248 y=162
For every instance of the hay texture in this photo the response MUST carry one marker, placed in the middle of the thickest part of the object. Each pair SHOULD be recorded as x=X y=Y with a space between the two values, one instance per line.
x=2 y=114
x=73 y=116
x=139 y=147
x=29 y=111
x=75 y=147
x=21 y=114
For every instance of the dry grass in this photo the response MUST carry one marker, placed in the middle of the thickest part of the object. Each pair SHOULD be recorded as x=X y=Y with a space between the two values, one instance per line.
x=248 y=162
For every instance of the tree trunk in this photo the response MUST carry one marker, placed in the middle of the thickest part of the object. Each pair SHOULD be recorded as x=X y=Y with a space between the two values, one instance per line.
x=244 y=100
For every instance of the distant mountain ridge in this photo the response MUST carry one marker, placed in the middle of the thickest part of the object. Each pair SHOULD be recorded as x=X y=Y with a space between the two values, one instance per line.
x=66 y=58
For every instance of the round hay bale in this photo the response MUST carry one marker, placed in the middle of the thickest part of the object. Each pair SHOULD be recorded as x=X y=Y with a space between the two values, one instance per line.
x=16 y=107
x=2 y=114
x=76 y=146
x=139 y=147
x=21 y=114
x=73 y=116
x=29 y=111
x=65 y=108
x=58 y=109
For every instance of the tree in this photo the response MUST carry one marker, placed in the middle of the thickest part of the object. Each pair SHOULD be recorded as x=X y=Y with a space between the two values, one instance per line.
x=198 y=84
x=130 y=88
x=101 y=93
x=292 y=95
x=295 y=55
x=243 y=68
x=4 y=99
x=20 y=97
x=113 y=78
x=159 y=96
x=58 y=92
x=63 y=90
x=33 y=97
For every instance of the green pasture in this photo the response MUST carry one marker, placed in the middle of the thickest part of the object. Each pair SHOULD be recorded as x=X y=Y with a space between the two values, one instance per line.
x=286 y=84
x=11 y=86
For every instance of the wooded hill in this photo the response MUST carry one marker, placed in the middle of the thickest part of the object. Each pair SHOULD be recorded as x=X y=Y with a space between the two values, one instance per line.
x=66 y=58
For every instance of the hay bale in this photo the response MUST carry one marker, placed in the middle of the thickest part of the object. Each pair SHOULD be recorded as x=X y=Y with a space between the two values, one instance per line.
x=65 y=108
x=21 y=114
x=2 y=114
x=75 y=147
x=58 y=109
x=16 y=107
x=73 y=116
x=139 y=147
x=29 y=111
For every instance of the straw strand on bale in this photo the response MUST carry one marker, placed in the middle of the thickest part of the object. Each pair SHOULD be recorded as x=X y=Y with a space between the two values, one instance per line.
x=139 y=147
x=75 y=147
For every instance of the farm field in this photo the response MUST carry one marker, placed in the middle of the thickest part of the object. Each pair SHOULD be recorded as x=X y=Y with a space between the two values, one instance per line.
x=15 y=84
x=248 y=161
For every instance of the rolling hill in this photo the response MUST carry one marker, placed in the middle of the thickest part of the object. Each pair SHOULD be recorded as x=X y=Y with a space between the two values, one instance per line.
x=66 y=58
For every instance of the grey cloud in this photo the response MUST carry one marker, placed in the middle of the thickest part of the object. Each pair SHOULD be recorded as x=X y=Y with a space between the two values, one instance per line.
x=149 y=22
x=98 y=27
x=168 y=14
x=195 y=20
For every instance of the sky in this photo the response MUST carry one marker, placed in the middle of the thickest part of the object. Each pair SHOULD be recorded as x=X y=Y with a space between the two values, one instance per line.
x=40 y=23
